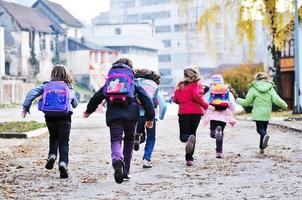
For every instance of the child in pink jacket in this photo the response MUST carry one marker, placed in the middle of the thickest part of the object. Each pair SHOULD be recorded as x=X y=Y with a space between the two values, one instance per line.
x=189 y=96
x=218 y=118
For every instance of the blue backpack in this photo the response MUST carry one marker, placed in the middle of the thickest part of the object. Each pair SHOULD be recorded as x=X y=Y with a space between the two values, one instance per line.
x=119 y=86
x=151 y=88
x=55 y=100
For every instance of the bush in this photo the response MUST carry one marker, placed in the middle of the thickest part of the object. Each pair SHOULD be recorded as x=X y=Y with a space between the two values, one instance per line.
x=241 y=76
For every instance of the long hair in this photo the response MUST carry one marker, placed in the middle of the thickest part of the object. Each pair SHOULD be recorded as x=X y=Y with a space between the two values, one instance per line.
x=148 y=74
x=60 y=73
x=125 y=61
x=191 y=75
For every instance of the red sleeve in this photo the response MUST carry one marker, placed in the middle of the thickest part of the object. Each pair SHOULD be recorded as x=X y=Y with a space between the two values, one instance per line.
x=197 y=96
x=176 y=96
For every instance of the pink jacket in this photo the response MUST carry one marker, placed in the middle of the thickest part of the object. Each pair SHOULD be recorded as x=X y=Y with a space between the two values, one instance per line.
x=190 y=100
x=224 y=115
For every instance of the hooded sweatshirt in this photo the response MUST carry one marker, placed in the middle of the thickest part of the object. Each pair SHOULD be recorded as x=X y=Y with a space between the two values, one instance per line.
x=262 y=96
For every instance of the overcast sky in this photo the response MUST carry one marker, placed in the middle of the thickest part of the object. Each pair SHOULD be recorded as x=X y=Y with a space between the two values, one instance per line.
x=84 y=10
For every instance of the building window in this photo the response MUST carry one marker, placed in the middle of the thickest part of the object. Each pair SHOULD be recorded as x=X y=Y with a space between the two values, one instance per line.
x=42 y=41
x=52 y=46
x=155 y=15
x=7 y=68
x=165 y=72
x=118 y=31
x=164 y=58
x=167 y=43
x=162 y=29
x=96 y=57
x=153 y=2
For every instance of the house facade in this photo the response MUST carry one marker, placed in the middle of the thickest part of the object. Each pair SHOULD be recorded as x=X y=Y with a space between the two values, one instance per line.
x=28 y=49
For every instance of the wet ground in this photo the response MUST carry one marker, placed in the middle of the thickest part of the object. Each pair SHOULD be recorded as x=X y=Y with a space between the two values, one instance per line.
x=243 y=173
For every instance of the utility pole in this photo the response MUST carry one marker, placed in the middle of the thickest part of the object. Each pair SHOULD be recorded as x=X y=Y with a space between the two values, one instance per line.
x=297 y=107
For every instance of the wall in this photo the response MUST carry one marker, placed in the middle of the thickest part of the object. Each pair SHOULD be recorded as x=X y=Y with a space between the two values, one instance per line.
x=78 y=62
x=15 y=91
x=74 y=32
x=2 y=55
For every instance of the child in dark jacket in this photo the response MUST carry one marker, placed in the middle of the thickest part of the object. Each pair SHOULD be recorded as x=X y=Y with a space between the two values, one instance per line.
x=122 y=120
x=58 y=125
x=189 y=96
x=150 y=81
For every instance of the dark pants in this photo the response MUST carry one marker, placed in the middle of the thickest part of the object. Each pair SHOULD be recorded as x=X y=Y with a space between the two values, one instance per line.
x=59 y=139
x=219 y=142
x=150 y=139
x=261 y=129
x=188 y=125
x=122 y=130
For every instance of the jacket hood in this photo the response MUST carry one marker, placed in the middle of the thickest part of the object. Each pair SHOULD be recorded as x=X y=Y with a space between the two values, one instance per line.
x=262 y=86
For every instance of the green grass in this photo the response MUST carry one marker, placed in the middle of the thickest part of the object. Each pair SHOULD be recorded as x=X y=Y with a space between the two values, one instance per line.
x=3 y=106
x=20 y=127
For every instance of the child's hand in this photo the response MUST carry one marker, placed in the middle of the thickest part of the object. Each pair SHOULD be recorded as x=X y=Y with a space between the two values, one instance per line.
x=149 y=124
x=86 y=115
x=234 y=93
x=211 y=107
x=24 y=113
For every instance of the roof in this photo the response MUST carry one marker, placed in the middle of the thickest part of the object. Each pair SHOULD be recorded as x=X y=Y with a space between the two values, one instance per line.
x=61 y=13
x=90 y=45
x=28 y=18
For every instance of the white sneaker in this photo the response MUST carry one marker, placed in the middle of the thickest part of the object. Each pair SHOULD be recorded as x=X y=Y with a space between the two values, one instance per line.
x=146 y=164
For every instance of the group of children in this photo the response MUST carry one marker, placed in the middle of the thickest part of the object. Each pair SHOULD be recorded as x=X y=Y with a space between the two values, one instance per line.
x=133 y=97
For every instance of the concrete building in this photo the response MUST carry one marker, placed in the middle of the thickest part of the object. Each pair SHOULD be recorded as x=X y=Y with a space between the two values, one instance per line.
x=176 y=27
x=89 y=62
x=133 y=40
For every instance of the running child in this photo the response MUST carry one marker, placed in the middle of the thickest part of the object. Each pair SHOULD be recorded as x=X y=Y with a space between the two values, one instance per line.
x=150 y=82
x=189 y=96
x=220 y=111
x=121 y=92
x=57 y=101
x=262 y=96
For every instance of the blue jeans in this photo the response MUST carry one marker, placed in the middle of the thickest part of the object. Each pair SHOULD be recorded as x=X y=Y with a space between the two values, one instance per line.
x=59 y=139
x=150 y=141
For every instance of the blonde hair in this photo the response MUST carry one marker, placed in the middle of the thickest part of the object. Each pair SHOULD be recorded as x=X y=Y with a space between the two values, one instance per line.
x=191 y=75
x=262 y=76
x=60 y=73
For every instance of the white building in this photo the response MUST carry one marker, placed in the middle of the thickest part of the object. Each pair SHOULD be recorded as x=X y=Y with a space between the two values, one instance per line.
x=135 y=41
x=26 y=49
x=176 y=26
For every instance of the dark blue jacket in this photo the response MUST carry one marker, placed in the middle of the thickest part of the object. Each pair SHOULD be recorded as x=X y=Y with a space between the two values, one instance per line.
x=130 y=112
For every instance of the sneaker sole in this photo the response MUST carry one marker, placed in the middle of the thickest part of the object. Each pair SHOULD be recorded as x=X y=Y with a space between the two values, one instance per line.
x=50 y=163
x=265 y=141
x=63 y=172
x=136 y=142
x=190 y=144
x=118 y=171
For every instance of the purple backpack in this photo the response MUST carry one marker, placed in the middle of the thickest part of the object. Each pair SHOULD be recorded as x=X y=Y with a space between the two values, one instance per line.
x=119 y=86
x=55 y=99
